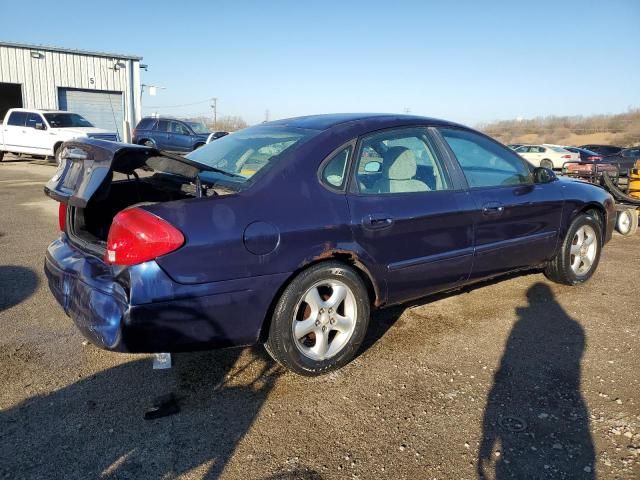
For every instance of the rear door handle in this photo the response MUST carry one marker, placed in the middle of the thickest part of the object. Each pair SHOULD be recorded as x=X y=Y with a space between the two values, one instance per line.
x=377 y=221
x=492 y=208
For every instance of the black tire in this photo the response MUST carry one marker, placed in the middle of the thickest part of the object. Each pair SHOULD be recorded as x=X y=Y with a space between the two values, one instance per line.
x=559 y=269
x=546 y=163
x=286 y=350
x=56 y=157
x=148 y=143
x=1 y=155
x=627 y=222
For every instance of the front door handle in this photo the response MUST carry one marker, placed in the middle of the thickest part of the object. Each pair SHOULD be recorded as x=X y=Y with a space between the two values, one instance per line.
x=377 y=221
x=492 y=208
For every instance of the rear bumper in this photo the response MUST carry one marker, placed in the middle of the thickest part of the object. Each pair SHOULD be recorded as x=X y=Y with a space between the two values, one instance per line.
x=140 y=309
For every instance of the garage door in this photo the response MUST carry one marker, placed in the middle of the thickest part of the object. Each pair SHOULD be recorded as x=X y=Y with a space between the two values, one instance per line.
x=103 y=109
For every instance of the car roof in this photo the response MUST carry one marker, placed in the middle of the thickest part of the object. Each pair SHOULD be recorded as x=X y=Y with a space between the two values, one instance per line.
x=327 y=121
x=38 y=110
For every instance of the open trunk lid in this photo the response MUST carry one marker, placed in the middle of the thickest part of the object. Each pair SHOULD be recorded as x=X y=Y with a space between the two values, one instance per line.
x=87 y=166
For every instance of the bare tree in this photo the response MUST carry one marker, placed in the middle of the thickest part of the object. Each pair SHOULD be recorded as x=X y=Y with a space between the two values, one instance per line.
x=228 y=123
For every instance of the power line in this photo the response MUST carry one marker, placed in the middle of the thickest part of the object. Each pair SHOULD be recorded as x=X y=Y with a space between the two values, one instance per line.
x=178 y=106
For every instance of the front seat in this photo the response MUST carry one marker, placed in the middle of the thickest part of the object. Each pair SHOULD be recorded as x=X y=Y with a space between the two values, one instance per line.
x=398 y=171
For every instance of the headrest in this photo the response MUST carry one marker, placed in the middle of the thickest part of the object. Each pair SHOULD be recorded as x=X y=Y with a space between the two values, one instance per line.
x=400 y=163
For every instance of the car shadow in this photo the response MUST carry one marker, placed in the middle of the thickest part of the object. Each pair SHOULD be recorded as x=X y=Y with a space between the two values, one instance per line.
x=94 y=428
x=536 y=423
x=16 y=285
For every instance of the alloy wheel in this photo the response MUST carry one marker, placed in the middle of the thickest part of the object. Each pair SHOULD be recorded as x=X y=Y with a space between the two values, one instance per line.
x=324 y=319
x=584 y=249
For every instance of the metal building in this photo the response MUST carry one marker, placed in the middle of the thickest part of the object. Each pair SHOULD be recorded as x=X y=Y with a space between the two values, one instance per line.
x=102 y=87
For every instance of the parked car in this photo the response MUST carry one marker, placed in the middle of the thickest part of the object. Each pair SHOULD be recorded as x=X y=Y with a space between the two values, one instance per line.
x=42 y=132
x=623 y=159
x=197 y=254
x=548 y=156
x=170 y=134
x=216 y=135
x=603 y=150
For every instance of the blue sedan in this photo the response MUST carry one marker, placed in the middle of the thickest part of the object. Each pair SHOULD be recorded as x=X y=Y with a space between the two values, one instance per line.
x=289 y=233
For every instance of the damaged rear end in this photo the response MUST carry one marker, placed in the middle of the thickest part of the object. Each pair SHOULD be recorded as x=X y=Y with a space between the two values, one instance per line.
x=102 y=268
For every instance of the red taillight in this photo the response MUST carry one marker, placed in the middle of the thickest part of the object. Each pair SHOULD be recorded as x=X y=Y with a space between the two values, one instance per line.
x=565 y=156
x=62 y=215
x=594 y=158
x=137 y=236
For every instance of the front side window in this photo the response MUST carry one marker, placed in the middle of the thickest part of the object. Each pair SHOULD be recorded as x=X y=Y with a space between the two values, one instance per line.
x=33 y=119
x=17 y=119
x=334 y=172
x=399 y=161
x=240 y=156
x=485 y=163
x=67 y=120
x=177 y=127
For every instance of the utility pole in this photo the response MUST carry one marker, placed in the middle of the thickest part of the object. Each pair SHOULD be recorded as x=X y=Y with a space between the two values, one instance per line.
x=266 y=115
x=214 y=105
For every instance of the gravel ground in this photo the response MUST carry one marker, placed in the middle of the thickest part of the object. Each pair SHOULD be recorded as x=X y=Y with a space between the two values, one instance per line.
x=518 y=378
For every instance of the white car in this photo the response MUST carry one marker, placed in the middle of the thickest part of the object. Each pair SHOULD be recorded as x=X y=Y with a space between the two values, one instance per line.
x=545 y=155
x=41 y=132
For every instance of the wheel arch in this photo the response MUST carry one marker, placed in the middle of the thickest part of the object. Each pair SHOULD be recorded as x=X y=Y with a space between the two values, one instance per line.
x=349 y=259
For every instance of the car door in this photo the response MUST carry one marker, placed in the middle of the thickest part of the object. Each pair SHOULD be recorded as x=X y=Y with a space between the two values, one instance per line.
x=179 y=138
x=516 y=221
x=409 y=215
x=161 y=134
x=36 y=134
x=14 y=132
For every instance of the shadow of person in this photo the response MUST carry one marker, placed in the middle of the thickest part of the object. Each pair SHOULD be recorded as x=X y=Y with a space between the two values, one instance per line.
x=94 y=428
x=536 y=424
x=16 y=285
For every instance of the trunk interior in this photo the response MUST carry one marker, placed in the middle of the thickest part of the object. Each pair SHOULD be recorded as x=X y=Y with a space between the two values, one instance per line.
x=89 y=226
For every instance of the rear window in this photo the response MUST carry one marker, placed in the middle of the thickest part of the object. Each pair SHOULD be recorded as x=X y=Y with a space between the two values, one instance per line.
x=146 y=124
x=17 y=118
x=245 y=153
x=558 y=149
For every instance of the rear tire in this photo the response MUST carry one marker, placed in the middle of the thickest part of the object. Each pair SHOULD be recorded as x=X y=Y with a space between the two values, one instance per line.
x=627 y=222
x=546 y=163
x=579 y=254
x=320 y=320
x=148 y=143
x=1 y=155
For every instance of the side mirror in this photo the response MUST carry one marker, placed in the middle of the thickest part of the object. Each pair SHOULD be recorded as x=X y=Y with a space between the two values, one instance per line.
x=372 y=167
x=543 y=175
x=40 y=126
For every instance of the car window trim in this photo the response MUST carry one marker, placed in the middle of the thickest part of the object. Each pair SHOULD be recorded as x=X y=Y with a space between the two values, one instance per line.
x=353 y=189
x=527 y=165
x=344 y=187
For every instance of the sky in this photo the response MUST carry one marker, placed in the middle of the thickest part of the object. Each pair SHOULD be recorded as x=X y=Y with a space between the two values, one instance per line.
x=468 y=61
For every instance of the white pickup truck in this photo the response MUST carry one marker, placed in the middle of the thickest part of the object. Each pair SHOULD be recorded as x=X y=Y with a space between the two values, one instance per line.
x=41 y=132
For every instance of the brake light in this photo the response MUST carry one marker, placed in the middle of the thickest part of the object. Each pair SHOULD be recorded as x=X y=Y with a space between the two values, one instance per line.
x=594 y=158
x=565 y=156
x=137 y=236
x=62 y=215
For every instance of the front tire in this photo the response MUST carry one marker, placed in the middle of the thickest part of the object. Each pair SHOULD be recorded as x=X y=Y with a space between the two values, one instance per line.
x=579 y=253
x=320 y=320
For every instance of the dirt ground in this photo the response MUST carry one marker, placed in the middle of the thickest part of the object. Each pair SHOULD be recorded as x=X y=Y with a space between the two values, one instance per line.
x=517 y=378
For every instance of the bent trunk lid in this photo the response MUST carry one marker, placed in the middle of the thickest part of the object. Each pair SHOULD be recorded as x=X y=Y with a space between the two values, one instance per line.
x=87 y=166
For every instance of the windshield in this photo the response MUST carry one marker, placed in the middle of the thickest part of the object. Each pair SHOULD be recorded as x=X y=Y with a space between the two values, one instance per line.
x=198 y=127
x=248 y=151
x=63 y=120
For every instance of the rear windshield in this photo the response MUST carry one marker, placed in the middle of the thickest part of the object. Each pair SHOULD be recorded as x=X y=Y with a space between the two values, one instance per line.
x=63 y=120
x=557 y=149
x=244 y=153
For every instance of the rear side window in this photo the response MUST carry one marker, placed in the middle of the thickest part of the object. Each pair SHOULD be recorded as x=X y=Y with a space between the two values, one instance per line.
x=334 y=172
x=484 y=162
x=17 y=118
x=146 y=124
x=163 y=126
